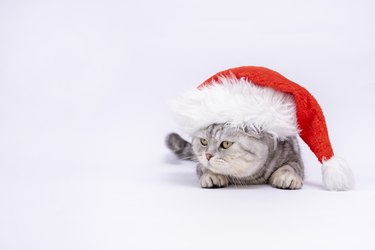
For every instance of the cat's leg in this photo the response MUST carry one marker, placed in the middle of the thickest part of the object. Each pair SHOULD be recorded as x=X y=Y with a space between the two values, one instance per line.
x=211 y=180
x=286 y=177
x=208 y=179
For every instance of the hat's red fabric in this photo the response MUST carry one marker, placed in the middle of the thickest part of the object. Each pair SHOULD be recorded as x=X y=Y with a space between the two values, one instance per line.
x=309 y=114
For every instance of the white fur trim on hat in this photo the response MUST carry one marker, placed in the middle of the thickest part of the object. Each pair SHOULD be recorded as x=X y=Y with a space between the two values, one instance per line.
x=337 y=176
x=239 y=103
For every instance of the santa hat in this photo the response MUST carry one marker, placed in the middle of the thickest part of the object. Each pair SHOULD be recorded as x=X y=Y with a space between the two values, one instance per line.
x=265 y=101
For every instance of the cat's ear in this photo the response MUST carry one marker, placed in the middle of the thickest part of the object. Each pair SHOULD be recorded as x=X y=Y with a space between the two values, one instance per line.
x=253 y=132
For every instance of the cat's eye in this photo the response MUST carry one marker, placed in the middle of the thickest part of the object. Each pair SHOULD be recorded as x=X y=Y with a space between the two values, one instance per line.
x=204 y=142
x=226 y=144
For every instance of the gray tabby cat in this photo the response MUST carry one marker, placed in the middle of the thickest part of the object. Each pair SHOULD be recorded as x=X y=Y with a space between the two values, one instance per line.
x=228 y=155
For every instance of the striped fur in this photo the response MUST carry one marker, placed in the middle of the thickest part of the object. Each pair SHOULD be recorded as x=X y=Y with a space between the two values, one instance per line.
x=253 y=158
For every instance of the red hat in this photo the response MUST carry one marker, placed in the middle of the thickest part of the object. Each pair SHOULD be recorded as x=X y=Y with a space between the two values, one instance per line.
x=264 y=100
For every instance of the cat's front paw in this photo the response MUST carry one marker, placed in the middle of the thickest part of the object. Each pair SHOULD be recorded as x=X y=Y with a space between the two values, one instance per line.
x=210 y=180
x=286 y=178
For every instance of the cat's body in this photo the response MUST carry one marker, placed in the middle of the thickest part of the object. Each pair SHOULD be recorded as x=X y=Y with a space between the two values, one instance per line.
x=228 y=155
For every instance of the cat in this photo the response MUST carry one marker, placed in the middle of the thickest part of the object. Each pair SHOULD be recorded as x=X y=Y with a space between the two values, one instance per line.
x=228 y=155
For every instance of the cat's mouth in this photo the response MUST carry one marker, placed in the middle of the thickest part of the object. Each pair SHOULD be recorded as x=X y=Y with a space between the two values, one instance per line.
x=237 y=169
x=217 y=164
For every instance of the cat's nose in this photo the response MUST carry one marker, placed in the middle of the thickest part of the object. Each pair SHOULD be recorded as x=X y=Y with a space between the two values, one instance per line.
x=209 y=156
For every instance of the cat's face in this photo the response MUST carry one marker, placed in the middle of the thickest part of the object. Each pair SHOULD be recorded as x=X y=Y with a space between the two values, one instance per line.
x=229 y=151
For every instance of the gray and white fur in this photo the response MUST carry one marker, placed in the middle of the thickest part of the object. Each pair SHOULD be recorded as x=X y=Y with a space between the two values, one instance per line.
x=228 y=155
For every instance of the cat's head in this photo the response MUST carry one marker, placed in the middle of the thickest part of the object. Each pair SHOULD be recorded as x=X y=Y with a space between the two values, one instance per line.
x=230 y=151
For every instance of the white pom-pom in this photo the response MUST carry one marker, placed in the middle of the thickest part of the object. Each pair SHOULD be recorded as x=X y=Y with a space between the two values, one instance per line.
x=337 y=175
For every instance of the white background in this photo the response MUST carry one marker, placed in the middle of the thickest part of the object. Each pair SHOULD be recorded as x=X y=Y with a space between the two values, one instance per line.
x=83 y=87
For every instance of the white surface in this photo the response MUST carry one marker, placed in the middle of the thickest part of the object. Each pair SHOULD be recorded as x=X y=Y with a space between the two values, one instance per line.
x=83 y=87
